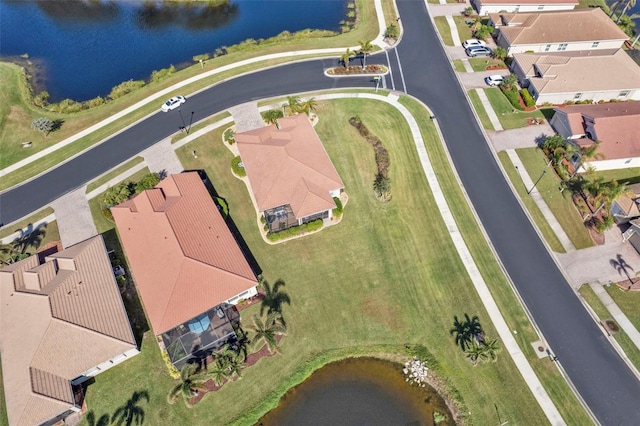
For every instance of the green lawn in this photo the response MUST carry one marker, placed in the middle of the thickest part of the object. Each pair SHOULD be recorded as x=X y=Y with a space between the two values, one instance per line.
x=628 y=176
x=458 y=65
x=113 y=173
x=11 y=228
x=200 y=125
x=628 y=301
x=17 y=112
x=443 y=28
x=482 y=113
x=627 y=345
x=397 y=281
x=508 y=116
x=481 y=64
x=464 y=31
x=559 y=202
x=535 y=213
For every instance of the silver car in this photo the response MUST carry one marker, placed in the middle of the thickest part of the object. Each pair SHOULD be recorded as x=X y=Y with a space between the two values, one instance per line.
x=474 y=51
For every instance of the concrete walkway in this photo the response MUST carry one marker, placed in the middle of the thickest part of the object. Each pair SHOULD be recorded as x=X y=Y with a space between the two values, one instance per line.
x=489 y=109
x=511 y=346
x=454 y=31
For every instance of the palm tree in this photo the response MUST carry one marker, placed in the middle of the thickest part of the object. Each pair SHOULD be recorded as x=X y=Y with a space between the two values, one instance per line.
x=131 y=412
x=627 y=5
x=365 y=48
x=382 y=187
x=491 y=349
x=191 y=381
x=476 y=353
x=346 y=56
x=274 y=298
x=272 y=116
x=8 y=253
x=293 y=104
x=309 y=106
x=218 y=374
x=266 y=332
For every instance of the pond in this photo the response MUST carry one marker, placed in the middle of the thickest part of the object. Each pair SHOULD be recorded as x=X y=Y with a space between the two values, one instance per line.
x=81 y=49
x=358 y=391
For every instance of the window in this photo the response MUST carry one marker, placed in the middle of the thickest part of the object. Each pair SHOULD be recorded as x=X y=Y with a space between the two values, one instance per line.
x=547 y=47
x=541 y=7
x=624 y=93
x=595 y=44
x=517 y=8
x=577 y=96
x=562 y=47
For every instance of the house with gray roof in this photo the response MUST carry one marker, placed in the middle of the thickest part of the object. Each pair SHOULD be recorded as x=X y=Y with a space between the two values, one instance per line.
x=559 y=31
x=62 y=322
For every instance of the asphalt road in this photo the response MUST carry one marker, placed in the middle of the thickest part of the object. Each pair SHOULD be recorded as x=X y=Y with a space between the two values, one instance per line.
x=597 y=371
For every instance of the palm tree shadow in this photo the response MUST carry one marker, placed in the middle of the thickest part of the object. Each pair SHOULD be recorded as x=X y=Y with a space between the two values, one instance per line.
x=621 y=265
x=274 y=298
x=466 y=331
x=102 y=421
x=131 y=413
x=30 y=237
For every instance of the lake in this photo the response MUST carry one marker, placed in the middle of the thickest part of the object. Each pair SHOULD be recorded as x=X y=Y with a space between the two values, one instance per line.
x=358 y=391
x=81 y=49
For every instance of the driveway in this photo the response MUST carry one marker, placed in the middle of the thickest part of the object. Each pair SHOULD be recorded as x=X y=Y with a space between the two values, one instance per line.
x=475 y=80
x=523 y=137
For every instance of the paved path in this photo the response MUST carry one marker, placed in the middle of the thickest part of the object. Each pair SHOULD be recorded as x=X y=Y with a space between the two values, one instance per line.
x=523 y=137
x=75 y=222
x=454 y=31
x=161 y=158
x=489 y=109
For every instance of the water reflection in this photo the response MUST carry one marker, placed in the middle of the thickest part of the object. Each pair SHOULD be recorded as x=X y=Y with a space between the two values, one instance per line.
x=358 y=391
x=77 y=11
x=194 y=16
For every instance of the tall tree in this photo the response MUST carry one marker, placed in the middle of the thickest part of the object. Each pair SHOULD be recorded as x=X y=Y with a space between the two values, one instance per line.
x=382 y=187
x=266 y=331
x=346 y=56
x=43 y=125
x=365 y=48
x=131 y=413
x=491 y=350
x=475 y=353
x=191 y=381
x=292 y=105
x=309 y=106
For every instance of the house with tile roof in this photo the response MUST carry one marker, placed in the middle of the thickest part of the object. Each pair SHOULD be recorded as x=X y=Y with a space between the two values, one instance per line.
x=187 y=265
x=484 y=7
x=615 y=126
x=593 y=75
x=566 y=30
x=291 y=176
x=62 y=322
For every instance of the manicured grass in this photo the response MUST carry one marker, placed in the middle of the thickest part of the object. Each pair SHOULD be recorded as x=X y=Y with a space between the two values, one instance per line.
x=11 y=228
x=409 y=295
x=482 y=113
x=628 y=176
x=560 y=203
x=458 y=65
x=628 y=301
x=200 y=125
x=583 y=4
x=481 y=64
x=627 y=345
x=508 y=116
x=17 y=113
x=443 y=28
x=113 y=173
x=532 y=208
x=464 y=31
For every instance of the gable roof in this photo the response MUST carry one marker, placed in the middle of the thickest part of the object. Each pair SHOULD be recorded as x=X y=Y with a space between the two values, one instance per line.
x=58 y=319
x=289 y=165
x=529 y=2
x=183 y=257
x=616 y=125
x=580 y=71
x=563 y=26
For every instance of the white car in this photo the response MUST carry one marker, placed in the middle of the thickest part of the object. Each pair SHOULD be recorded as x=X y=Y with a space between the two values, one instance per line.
x=173 y=103
x=473 y=42
x=494 y=80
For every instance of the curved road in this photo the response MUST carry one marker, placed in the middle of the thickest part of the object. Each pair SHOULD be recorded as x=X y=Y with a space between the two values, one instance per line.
x=597 y=371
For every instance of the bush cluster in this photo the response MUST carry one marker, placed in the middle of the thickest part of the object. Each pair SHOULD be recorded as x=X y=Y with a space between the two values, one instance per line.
x=160 y=75
x=235 y=166
x=355 y=69
x=512 y=95
x=229 y=136
x=337 y=212
x=294 y=231
x=381 y=153
x=125 y=190
x=527 y=98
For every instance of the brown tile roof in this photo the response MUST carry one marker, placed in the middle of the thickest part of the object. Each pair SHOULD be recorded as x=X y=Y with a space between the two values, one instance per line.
x=616 y=124
x=563 y=26
x=534 y=2
x=183 y=257
x=580 y=71
x=53 y=328
x=289 y=165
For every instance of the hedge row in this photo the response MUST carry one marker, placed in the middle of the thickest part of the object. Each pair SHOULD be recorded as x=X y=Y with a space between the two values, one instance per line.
x=512 y=95
x=295 y=231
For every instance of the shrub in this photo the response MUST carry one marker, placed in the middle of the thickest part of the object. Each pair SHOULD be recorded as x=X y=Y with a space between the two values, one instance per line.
x=173 y=371
x=203 y=57
x=160 y=75
x=223 y=207
x=66 y=106
x=392 y=31
x=44 y=125
x=512 y=96
x=262 y=219
x=41 y=99
x=337 y=212
x=527 y=98
x=95 y=102
x=147 y=181
x=125 y=87
x=237 y=168
x=295 y=231
x=483 y=32
x=229 y=136
x=116 y=194
x=438 y=417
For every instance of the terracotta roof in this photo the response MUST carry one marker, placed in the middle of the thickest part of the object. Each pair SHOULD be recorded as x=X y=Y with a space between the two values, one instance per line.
x=616 y=125
x=183 y=257
x=534 y=2
x=563 y=26
x=580 y=71
x=289 y=165
x=58 y=319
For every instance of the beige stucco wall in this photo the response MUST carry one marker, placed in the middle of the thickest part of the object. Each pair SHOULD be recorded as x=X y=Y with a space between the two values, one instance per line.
x=553 y=47
x=560 y=98
x=486 y=9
